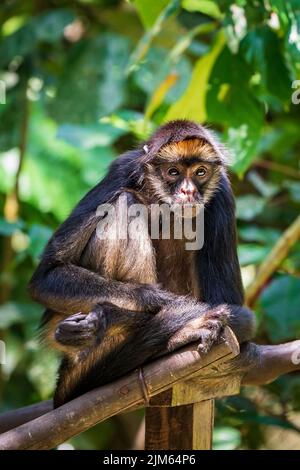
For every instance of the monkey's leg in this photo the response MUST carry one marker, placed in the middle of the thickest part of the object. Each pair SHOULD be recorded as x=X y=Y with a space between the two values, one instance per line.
x=127 y=339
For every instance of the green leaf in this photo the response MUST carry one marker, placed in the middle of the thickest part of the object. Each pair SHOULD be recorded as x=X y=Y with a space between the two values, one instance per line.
x=262 y=49
x=11 y=116
x=192 y=104
x=157 y=70
x=39 y=236
x=145 y=42
x=226 y=438
x=14 y=353
x=249 y=206
x=8 y=228
x=93 y=82
x=280 y=304
x=293 y=187
x=149 y=10
x=96 y=163
x=42 y=372
x=48 y=27
x=241 y=118
x=251 y=253
x=254 y=233
x=207 y=7
x=17 y=312
x=89 y=136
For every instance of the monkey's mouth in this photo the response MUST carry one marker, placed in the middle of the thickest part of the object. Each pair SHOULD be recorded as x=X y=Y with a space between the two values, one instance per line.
x=186 y=210
x=187 y=201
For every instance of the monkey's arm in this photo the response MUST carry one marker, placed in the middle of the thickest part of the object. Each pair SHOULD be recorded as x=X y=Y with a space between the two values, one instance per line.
x=69 y=289
x=62 y=284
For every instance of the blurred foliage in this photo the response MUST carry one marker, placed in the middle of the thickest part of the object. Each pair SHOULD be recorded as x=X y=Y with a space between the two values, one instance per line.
x=87 y=79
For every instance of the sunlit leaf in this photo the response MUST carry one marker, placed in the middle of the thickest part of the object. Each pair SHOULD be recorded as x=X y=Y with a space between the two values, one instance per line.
x=159 y=94
x=149 y=10
x=192 y=105
x=145 y=42
x=208 y=7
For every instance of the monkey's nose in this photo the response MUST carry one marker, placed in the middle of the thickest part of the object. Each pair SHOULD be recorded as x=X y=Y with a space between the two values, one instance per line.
x=188 y=192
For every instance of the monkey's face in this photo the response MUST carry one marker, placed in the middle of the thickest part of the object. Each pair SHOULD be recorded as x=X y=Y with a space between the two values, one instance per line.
x=185 y=173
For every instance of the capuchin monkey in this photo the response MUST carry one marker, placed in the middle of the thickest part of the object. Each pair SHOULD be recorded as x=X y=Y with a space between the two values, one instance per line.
x=114 y=304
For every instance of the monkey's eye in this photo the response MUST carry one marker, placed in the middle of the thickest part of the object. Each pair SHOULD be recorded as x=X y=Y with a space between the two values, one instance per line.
x=201 y=172
x=173 y=171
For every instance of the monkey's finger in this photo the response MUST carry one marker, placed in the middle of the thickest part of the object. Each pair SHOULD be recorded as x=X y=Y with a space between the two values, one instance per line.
x=77 y=317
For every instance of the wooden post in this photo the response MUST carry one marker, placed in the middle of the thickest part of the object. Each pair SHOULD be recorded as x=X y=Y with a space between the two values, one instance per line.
x=182 y=427
x=182 y=417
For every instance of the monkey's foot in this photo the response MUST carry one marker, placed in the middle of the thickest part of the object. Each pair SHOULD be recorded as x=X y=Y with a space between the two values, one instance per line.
x=79 y=329
x=206 y=329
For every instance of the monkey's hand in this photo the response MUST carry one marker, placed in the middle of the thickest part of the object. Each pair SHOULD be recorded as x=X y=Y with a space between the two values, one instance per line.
x=207 y=329
x=81 y=330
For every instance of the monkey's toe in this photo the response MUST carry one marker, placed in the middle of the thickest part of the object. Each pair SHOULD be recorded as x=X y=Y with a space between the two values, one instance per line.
x=211 y=332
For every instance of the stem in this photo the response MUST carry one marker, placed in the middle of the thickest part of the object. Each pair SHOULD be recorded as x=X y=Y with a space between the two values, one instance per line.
x=278 y=167
x=273 y=260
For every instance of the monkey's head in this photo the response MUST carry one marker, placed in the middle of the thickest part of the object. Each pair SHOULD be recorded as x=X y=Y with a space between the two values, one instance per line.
x=184 y=165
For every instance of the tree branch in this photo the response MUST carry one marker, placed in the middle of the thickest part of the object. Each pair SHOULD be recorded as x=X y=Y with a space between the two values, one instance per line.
x=55 y=427
x=273 y=260
x=255 y=365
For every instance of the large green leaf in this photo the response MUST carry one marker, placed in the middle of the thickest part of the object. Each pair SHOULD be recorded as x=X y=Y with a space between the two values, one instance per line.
x=144 y=43
x=149 y=10
x=207 y=7
x=262 y=49
x=288 y=13
x=47 y=27
x=280 y=303
x=61 y=173
x=93 y=82
x=232 y=103
x=155 y=69
x=192 y=104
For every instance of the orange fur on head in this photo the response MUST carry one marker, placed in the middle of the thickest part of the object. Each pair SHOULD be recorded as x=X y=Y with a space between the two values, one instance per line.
x=189 y=148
